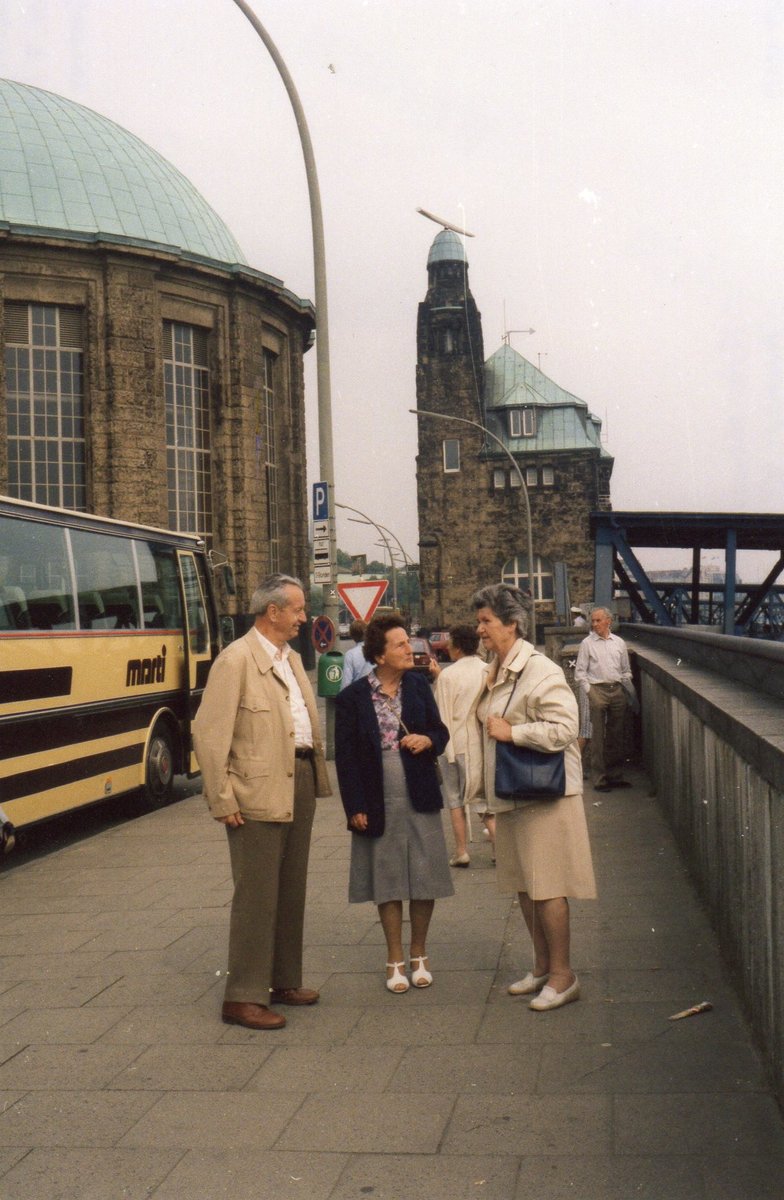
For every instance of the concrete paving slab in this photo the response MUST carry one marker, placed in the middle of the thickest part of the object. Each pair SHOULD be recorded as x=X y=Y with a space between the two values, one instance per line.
x=525 y=1124
x=747 y=1124
x=441 y=1177
x=73 y=1118
x=322 y=1069
x=213 y=1120
x=451 y=1069
x=195 y=1068
x=40 y=1068
x=364 y=1121
x=88 y=1174
x=60 y=1026
x=241 y=1174
x=612 y=1178
x=452 y=1024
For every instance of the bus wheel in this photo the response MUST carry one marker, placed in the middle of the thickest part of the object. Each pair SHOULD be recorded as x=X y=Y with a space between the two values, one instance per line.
x=159 y=768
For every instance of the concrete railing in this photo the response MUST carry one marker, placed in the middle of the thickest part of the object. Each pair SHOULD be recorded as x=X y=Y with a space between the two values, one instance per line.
x=713 y=746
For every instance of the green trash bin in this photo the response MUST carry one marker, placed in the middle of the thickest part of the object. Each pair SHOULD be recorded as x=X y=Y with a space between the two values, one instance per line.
x=330 y=673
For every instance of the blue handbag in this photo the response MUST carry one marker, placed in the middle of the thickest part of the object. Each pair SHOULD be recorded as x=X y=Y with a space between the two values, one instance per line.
x=524 y=774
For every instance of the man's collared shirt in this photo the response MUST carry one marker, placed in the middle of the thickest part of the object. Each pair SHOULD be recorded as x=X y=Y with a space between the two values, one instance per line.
x=303 y=732
x=602 y=660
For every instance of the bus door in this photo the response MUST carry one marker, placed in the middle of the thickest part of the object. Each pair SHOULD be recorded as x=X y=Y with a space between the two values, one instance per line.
x=200 y=637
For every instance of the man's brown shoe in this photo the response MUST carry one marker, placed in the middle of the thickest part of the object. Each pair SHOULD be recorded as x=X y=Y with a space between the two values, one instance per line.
x=252 y=1016
x=298 y=995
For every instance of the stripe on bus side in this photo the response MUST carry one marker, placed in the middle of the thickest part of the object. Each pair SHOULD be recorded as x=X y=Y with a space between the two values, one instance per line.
x=57 y=775
x=37 y=683
x=36 y=733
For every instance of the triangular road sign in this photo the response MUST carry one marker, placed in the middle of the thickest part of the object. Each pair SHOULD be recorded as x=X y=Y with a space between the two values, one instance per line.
x=363 y=597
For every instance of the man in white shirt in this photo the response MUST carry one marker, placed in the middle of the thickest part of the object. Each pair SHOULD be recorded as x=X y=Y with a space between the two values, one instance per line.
x=603 y=674
x=257 y=740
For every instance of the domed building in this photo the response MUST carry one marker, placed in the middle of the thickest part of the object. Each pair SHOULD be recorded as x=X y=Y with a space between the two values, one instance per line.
x=473 y=526
x=150 y=374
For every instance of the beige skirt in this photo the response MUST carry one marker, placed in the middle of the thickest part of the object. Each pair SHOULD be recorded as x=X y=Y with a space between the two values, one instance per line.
x=543 y=849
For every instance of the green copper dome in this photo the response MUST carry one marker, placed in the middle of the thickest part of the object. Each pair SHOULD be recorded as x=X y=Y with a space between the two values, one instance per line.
x=446 y=247
x=66 y=170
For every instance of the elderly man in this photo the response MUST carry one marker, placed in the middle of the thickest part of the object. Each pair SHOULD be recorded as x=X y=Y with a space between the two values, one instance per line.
x=257 y=740
x=604 y=676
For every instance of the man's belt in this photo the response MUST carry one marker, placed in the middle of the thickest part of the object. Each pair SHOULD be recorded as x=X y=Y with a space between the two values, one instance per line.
x=303 y=752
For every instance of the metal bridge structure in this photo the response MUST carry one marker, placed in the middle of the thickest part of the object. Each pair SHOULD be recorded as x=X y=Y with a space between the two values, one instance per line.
x=752 y=610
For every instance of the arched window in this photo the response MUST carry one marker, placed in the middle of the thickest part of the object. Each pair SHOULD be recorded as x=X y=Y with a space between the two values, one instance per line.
x=516 y=572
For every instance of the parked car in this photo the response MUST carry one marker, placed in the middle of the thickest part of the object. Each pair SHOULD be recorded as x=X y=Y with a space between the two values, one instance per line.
x=343 y=629
x=423 y=655
x=439 y=640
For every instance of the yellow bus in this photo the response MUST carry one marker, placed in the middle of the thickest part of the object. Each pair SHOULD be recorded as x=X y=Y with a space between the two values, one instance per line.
x=107 y=634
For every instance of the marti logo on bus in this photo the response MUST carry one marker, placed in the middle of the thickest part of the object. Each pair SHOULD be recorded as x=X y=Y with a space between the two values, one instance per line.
x=146 y=670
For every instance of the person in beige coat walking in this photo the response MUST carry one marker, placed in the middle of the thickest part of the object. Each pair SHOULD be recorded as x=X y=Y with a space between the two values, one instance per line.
x=257 y=740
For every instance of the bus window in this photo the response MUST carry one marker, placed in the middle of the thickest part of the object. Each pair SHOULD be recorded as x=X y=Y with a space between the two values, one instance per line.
x=160 y=586
x=197 y=615
x=35 y=579
x=106 y=589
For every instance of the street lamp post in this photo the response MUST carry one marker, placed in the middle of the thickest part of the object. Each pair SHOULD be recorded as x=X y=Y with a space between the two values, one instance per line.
x=382 y=529
x=378 y=528
x=326 y=464
x=423 y=412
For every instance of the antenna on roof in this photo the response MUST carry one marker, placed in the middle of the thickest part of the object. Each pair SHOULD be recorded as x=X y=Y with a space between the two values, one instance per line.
x=446 y=224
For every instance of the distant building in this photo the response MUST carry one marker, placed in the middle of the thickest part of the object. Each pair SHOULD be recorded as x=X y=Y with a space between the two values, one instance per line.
x=472 y=525
x=150 y=373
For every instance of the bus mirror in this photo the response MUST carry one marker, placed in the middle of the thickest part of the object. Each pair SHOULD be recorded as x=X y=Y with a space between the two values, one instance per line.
x=228 y=579
x=227 y=629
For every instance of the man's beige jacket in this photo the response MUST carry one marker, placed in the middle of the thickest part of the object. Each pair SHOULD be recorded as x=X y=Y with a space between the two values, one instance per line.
x=243 y=735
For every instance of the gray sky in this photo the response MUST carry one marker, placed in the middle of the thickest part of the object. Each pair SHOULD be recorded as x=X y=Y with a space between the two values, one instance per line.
x=619 y=161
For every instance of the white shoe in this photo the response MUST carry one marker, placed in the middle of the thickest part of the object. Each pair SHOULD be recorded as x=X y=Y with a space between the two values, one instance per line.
x=548 y=997
x=421 y=977
x=531 y=983
x=397 y=981
x=459 y=860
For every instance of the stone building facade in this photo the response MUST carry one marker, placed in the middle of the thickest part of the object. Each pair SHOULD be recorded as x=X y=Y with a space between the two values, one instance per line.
x=150 y=374
x=473 y=527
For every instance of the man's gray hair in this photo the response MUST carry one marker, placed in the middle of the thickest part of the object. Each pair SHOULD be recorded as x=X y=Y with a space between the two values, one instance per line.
x=272 y=590
x=507 y=602
x=601 y=608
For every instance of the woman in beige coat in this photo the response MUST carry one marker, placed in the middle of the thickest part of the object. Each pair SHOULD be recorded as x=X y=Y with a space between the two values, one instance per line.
x=542 y=847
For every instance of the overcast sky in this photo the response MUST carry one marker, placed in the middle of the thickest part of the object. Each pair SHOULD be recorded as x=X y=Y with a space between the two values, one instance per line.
x=619 y=161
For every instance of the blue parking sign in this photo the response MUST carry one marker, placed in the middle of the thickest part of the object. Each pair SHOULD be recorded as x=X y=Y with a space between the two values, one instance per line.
x=320 y=502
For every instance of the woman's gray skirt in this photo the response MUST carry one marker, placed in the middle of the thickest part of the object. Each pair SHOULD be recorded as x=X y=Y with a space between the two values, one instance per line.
x=409 y=861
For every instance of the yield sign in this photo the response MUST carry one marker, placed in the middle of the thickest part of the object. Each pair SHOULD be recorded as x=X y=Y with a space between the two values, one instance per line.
x=363 y=597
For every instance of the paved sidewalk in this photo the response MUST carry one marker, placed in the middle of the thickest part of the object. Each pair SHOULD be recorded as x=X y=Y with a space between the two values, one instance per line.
x=118 y=1079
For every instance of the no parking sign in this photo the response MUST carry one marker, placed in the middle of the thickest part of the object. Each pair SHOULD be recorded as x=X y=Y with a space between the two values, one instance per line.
x=323 y=634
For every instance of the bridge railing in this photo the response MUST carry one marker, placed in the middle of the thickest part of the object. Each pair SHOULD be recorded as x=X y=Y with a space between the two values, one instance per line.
x=713 y=746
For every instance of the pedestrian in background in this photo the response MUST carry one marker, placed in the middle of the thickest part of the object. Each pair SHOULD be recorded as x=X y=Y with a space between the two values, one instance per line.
x=355 y=665
x=455 y=691
x=257 y=739
x=603 y=673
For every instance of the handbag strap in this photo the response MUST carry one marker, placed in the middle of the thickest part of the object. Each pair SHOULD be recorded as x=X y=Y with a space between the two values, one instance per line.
x=517 y=680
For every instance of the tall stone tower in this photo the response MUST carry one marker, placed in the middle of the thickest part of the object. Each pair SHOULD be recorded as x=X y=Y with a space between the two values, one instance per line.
x=450 y=380
x=473 y=524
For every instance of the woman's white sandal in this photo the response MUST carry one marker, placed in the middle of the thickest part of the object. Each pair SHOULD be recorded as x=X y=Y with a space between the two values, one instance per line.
x=421 y=977
x=397 y=982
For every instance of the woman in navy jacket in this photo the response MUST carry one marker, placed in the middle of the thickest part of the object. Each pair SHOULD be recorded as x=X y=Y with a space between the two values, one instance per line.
x=388 y=734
